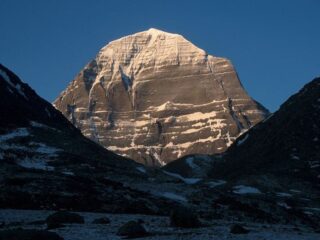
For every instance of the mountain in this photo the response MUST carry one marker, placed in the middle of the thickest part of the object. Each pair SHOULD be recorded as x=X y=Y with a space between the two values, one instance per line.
x=45 y=162
x=154 y=96
x=287 y=144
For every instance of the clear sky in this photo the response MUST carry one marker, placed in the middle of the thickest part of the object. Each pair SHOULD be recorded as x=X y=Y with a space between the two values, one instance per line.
x=274 y=45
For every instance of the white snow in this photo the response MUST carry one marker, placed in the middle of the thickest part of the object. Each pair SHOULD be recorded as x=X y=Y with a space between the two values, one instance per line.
x=295 y=191
x=34 y=163
x=314 y=164
x=270 y=115
x=68 y=173
x=44 y=149
x=191 y=164
x=174 y=196
x=48 y=112
x=284 y=205
x=16 y=86
x=242 y=140
x=293 y=156
x=38 y=125
x=185 y=180
x=216 y=183
x=5 y=76
x=19 y=132
x=141 y=169
x=283 y=194
x=242 y=189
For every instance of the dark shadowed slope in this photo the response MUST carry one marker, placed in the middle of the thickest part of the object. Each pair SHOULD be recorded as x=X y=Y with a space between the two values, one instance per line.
x=285 y=144
x=45 y=162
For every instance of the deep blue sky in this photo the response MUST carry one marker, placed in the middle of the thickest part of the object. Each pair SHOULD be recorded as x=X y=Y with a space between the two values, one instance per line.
x=274 y=45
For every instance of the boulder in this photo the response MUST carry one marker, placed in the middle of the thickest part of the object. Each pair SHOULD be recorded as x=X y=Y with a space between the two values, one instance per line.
x=132 y=229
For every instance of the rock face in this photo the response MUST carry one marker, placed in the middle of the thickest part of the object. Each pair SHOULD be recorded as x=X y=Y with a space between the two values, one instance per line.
x=155 y=97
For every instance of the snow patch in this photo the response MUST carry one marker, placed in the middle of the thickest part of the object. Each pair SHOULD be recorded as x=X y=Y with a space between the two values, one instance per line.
x=38 y=125
x=284 y=205
x=185 y=180
x=283 y=194
x=19 y=132
x=34 y=163
x=68 y=173
x=270 y=115
x=48 y=112
x=242 y=140
x=242 y=189
x=44 y=149
x=174 y=197
x=18 y=87
x=295 y=191
x=294 y=157
x=216 y=183
x=141 y=169
x=5 y=76
x=190 y=163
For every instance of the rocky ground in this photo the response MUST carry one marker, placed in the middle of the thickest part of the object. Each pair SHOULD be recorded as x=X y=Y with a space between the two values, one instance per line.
x=157 y=227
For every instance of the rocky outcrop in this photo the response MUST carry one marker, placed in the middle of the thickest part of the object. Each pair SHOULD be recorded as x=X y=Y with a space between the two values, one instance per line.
x=155 y=97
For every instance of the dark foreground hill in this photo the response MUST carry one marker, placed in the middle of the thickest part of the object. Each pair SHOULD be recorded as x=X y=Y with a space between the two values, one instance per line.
x=45 y=162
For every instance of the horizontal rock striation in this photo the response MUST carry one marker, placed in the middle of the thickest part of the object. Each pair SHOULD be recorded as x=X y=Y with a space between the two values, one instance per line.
x=154 y=97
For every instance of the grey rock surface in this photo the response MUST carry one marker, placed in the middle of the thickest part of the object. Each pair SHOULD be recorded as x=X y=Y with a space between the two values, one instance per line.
x=154 y=97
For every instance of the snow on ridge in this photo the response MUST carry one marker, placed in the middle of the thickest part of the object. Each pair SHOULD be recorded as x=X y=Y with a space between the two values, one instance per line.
x=17 y=86
x=41 y=125
x=267 y=118
x=5 y=76
x=242 y=189
x=242 y=140
x=38 y=125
